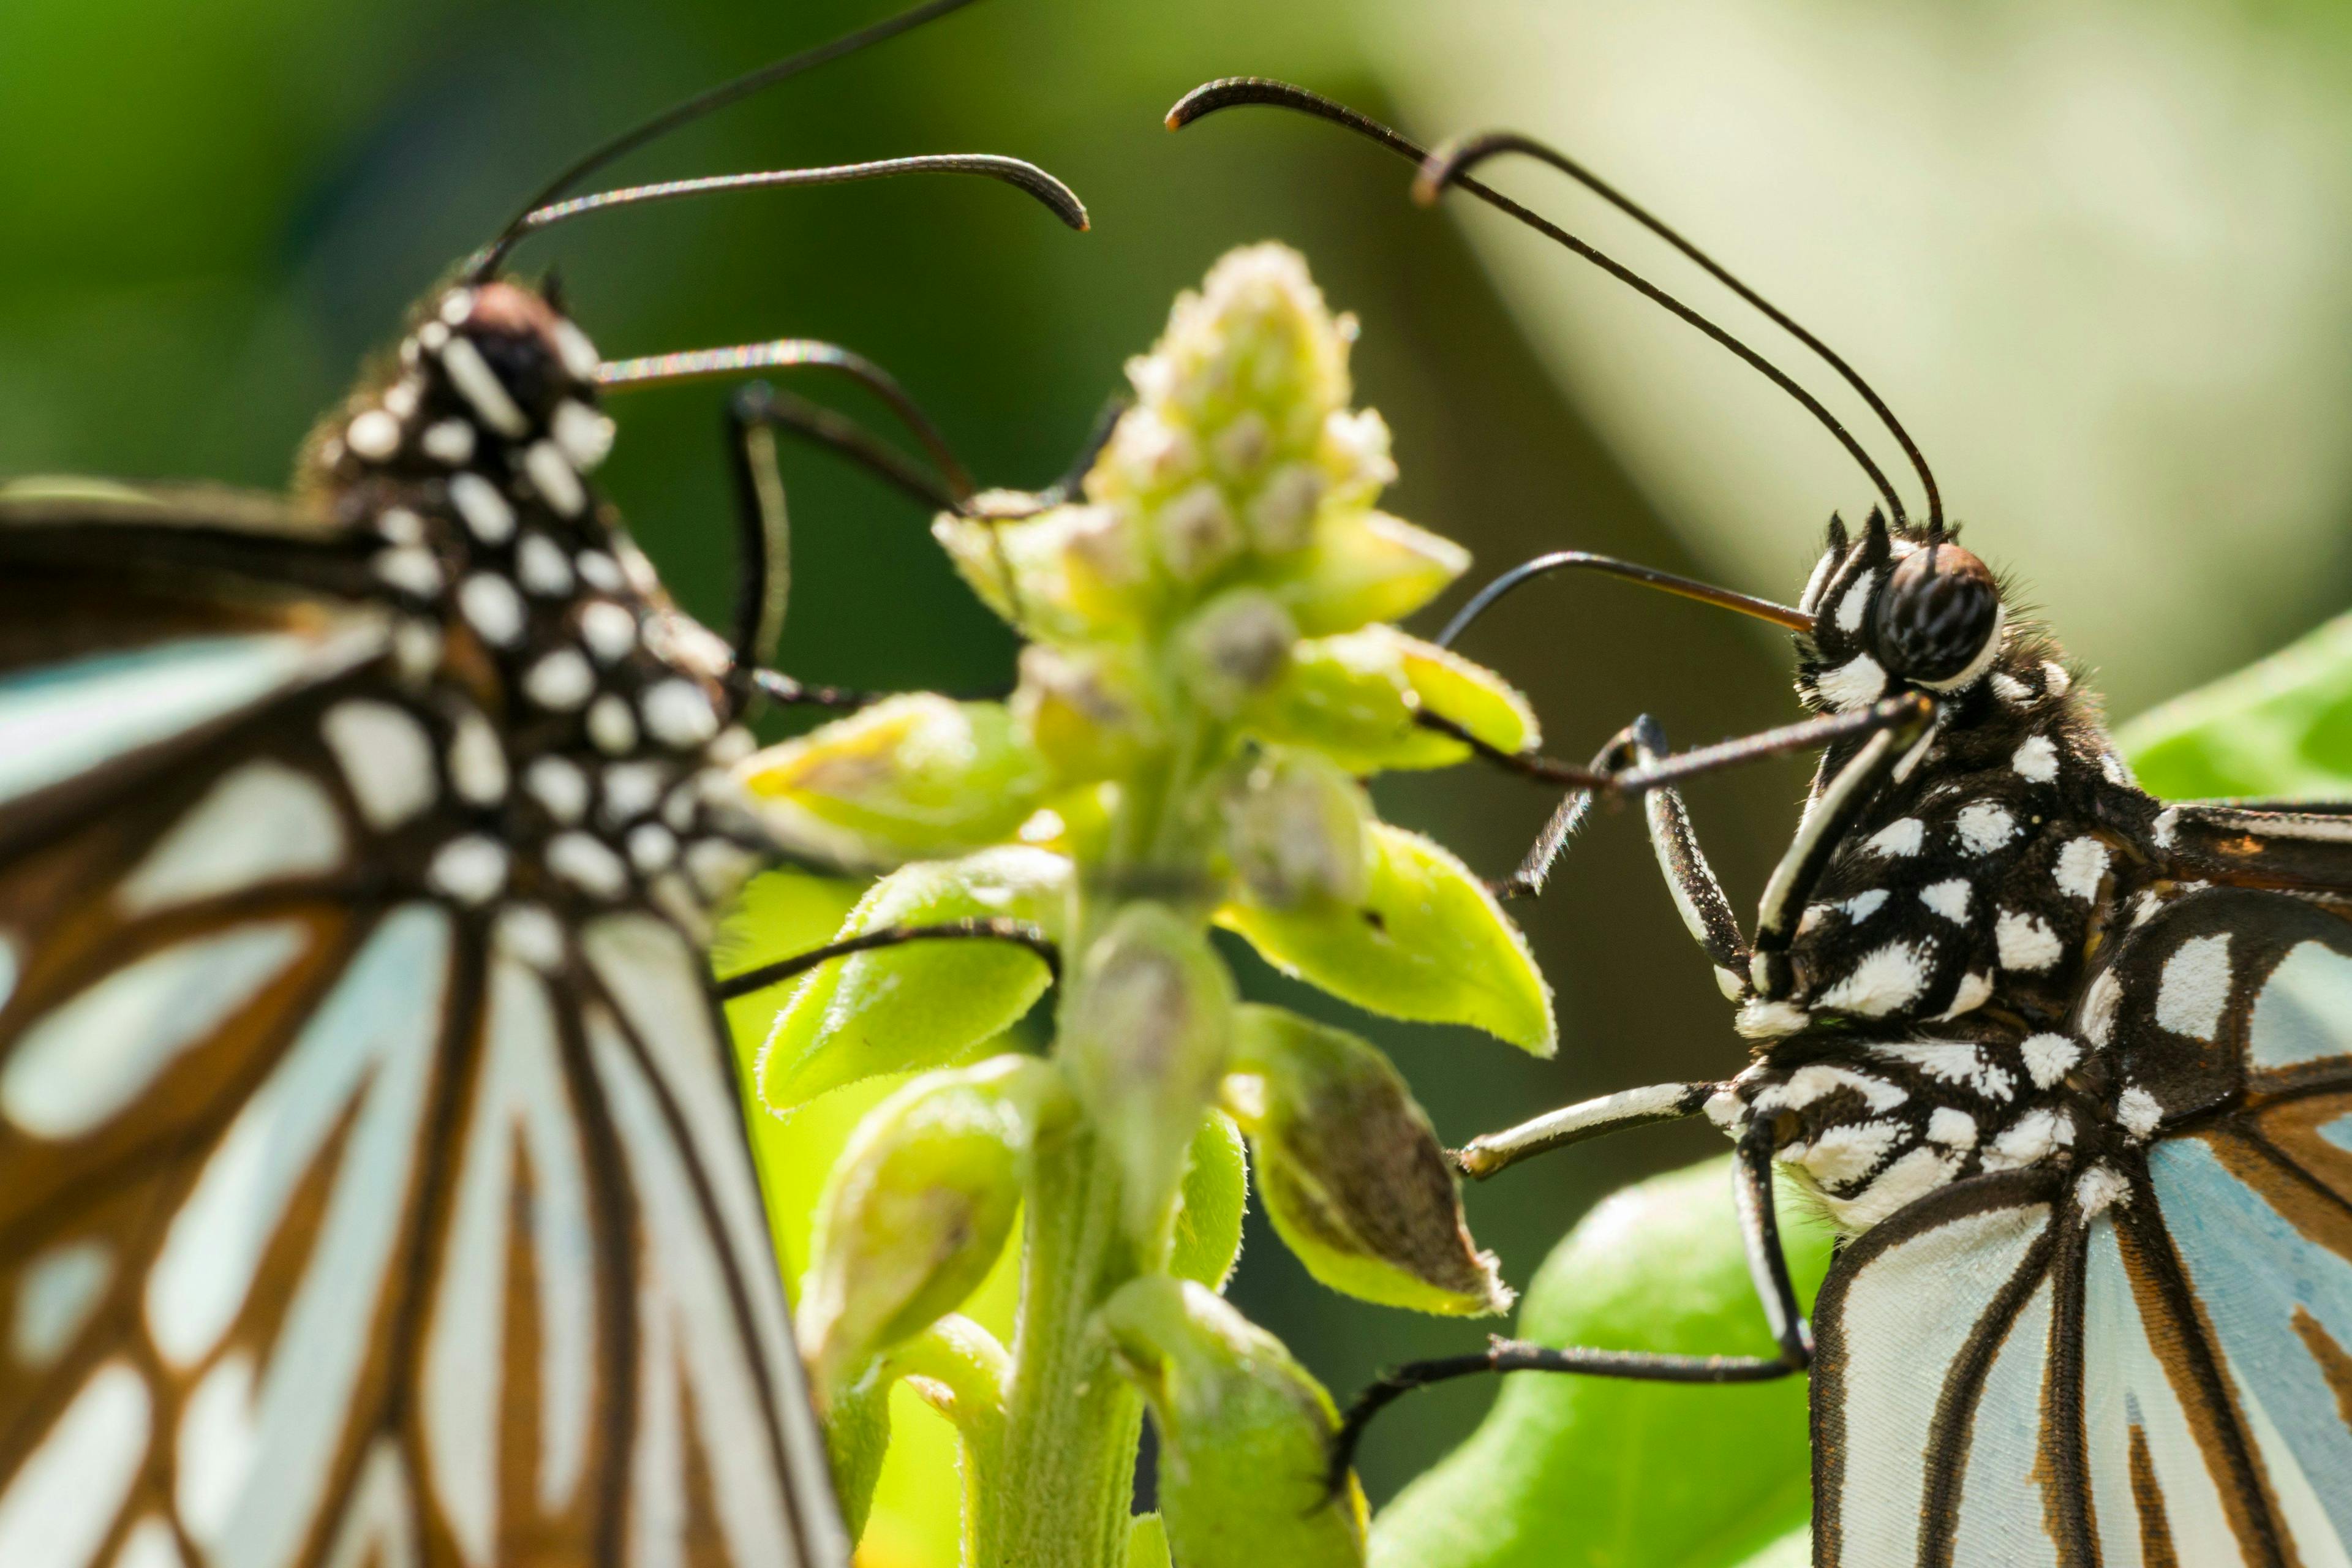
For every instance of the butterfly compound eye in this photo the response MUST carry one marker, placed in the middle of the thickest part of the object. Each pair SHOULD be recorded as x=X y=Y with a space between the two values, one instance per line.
x=1932 y=626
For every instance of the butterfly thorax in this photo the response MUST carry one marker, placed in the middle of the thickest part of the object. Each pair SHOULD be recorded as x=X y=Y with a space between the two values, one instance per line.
x=565 y=742
x=1919 y=1027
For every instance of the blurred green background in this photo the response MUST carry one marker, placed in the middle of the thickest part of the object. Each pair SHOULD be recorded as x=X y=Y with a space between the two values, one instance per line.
x=2100 y=255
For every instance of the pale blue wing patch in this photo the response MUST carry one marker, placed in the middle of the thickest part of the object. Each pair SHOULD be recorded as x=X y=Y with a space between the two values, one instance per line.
x=2303 y=1013
x=2135 y=1417
x=2001 y=1507
x=60 y=719
x=2338 y=1133
x=2263 y=1283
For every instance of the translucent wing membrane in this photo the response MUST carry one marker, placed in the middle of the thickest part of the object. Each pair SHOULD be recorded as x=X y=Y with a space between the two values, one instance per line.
x=342 y=1222
x=2148 y=1361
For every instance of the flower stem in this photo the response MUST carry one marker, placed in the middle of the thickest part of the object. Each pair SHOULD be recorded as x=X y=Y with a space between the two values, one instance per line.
x=1061 y=1494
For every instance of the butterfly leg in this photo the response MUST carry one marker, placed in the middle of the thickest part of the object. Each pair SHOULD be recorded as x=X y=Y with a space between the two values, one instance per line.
x=1018 y=933
x=1767 y=1267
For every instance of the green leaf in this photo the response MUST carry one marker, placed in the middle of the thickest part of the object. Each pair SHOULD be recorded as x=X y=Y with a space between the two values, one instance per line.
x=1351 y=1170
x=910 y=777
x=1147 y=1542
x=2280 y=727
x=1216 y=1194
x=1591 y=1472
x=924 y=1004
x=1428 y=942
x=1244 y=1432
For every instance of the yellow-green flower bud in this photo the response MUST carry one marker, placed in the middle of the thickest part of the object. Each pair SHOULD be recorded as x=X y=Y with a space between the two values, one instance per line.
x=1351 y=1170
x=1084 y=710
x=1073 y=572
x=1363 y=567
x=1144 y=1037
x=1281 y=514
x=1244 y=1433
x=1196 y=533
x=1233 y=647
x=1296 y=829
x=911 y=777
x=1355 y=697
x=916 y=1211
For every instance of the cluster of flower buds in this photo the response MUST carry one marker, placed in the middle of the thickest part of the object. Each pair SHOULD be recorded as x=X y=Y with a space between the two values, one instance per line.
x=1209 y=676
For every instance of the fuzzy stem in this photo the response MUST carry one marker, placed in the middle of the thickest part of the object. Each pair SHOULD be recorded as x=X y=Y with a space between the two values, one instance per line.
x=1060 y=1496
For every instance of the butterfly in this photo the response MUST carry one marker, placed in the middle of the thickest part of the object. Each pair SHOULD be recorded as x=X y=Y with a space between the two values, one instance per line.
x=2068 y=1067
x=372 y=1186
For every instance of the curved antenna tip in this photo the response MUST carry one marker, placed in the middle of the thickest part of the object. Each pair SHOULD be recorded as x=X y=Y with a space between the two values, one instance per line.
x=1226 y=93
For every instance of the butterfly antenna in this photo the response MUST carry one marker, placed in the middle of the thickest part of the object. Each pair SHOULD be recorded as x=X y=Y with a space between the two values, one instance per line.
x=1234 y=91
x=695 y=107
x=1456 y=158
x=1057 y=197
x=788 y=353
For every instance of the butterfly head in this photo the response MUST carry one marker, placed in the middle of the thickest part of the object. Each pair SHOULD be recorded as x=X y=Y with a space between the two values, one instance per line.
x=490 y=366
x=1897 y=609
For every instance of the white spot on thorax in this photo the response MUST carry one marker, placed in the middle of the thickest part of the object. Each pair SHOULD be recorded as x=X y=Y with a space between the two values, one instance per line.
x=600 y=570
x=584 y=860
x=2099 y=1000
x=1816 y=1080
x=2082 y=866
x=1882 y=981
x=678 y=714
x=2166 y=821
x=1983 y=826
x=479 y=385
x=612 y=726
x=2099 y=1189
x=571 y=345
x=2025 y=942
x=1845 y=1151
x=2055 y=678
x=1952 y=1128
x=631 y=789
x=471 y=870
x=541 y=567
x=398 y=525
x=492 y=607
x=2049 y=1057
x=609 y=629
x=2138 y=1111
x=2029 y=1140
x=2012 y=691
x=652 y=846
x=1973 y=992
x=373 y=436
x=1953 y=1061
x=2195 y=987
x=560 y=786
x=1897 y=839
x=2035 y=759
x=449 y=442
x=552 y=478
x=585 y=436
x=1949 y=899
x=560 y=682
x=485 y=510
x=411 y=568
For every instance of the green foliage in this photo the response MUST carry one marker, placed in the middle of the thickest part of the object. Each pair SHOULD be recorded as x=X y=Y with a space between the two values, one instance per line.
x=1591 y=1472
x=2282 y=727
x=1216 y=1199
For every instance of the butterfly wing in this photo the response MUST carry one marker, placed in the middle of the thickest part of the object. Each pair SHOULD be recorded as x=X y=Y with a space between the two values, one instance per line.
x=340 y=1223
